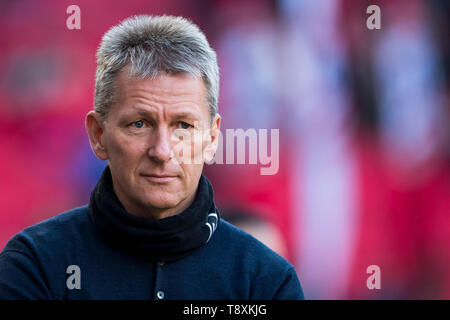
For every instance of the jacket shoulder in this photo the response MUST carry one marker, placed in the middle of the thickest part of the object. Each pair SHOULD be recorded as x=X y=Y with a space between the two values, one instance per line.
x=36 y=256
x=53 y=232
x=243 y=243
x=267 y=274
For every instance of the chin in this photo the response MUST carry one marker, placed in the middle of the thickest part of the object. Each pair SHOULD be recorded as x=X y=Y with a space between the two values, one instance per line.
x=163 y=202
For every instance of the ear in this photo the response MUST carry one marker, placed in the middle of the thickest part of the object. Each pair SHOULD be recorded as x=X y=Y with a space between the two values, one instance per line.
x=214 y=132
x=95 y=130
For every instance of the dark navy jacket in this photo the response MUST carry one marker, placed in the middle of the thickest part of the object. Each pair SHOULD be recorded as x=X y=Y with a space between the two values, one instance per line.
x=232 y=265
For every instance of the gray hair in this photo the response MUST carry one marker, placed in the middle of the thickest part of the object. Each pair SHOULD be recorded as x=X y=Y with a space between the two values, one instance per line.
x=153 y=44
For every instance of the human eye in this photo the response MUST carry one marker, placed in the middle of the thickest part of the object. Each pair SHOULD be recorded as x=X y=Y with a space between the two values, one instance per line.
x=185 y=125
x=138 y=124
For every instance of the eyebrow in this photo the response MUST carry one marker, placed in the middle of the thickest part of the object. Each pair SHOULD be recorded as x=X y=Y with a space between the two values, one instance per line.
x=183 y=114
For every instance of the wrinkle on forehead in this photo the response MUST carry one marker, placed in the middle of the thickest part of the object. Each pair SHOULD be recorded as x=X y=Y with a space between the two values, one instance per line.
x=187 y=90
x=162 y=84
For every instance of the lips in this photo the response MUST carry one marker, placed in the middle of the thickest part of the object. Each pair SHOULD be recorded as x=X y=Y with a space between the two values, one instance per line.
x=159 y=178
x=159 y=175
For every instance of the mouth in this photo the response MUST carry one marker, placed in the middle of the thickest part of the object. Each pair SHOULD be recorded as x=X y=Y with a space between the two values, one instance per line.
x=154 y=178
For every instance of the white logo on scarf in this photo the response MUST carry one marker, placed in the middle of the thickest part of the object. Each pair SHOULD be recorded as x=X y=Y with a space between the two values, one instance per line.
x=212 y=223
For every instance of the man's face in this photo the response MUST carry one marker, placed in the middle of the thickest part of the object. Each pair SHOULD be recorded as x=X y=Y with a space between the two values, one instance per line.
x=139 y=137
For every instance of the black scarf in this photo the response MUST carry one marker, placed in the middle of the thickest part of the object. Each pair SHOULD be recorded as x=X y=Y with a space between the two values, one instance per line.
x=164 y=240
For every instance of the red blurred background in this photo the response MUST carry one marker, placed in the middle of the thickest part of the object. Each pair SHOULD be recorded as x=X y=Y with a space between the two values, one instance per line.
x=364 y=176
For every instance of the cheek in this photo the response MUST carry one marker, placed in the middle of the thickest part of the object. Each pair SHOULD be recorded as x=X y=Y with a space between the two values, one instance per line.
x=200 y=142
x=126 y=149
x=188 y=147
x=205 y=151
x=192 y=173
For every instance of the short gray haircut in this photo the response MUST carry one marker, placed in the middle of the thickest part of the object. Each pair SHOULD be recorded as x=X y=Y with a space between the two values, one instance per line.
x=149 y=45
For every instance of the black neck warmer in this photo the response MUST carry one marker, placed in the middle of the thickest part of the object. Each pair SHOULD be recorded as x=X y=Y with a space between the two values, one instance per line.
x=168 y=239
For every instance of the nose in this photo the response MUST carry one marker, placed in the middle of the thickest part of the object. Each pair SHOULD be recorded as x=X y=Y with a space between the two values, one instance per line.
x=160 y=149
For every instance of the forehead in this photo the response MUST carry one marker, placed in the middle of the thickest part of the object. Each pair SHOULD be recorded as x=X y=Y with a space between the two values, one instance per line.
x=168 y=91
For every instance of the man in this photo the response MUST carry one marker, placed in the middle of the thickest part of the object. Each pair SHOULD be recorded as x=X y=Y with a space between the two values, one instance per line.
x=151 y=229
